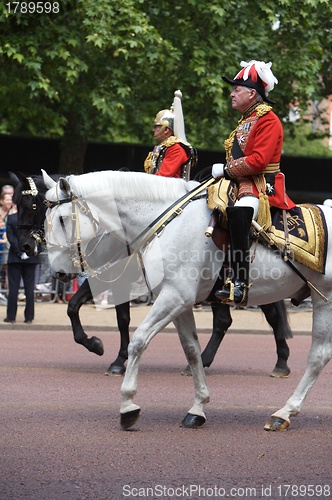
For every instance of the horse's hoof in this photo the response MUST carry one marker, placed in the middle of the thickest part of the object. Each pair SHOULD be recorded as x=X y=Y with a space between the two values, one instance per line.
x=186 y=371
x=193 y=421
x=96 y=346
x=280 y=372
x=115 y=370
x=276 y=424
x=129 y=419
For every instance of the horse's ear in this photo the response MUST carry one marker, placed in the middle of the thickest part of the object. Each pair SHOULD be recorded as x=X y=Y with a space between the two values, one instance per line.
x=48 y=181
x=64 y=185
x=13 y=178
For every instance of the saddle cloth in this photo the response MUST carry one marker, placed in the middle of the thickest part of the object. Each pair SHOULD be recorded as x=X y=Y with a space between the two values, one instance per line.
x=307 y=232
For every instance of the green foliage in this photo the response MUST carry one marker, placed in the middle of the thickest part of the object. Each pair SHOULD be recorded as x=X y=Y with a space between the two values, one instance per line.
x=102 y=69
x=303 y=142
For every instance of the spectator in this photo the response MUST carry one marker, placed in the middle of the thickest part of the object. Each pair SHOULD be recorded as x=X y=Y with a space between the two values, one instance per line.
x=19 y=267
x=7 y=206
x=7 y=189
x=3 y=241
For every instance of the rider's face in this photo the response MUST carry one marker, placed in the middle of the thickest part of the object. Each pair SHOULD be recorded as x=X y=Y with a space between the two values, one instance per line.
x=156 y=131
x=161 y=133
x=242 y=98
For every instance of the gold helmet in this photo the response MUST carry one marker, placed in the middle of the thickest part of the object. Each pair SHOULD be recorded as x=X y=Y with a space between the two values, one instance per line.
x=165 y=118
x=173 y=118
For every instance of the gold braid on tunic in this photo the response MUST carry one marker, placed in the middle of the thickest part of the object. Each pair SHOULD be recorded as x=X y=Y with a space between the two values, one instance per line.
x=264 y=215
x=151 y=161
x=261 y=110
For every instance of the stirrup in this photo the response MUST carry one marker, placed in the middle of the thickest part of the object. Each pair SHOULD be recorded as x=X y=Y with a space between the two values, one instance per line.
x=226 y=296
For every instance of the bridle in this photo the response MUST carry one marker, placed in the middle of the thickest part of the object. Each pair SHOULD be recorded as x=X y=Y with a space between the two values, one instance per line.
x=75 y=242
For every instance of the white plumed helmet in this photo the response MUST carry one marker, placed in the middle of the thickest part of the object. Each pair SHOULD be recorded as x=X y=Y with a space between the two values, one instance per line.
x=173 y=118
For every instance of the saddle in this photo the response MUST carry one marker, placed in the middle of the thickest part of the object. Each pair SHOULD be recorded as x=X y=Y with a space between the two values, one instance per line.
x=299 y=233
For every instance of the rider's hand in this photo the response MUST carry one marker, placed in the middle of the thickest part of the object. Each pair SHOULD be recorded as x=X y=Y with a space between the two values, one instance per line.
x=217 y=170
x=24 y=256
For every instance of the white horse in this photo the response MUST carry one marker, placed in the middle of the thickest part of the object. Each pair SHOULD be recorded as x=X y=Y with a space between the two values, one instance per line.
x=182 y=266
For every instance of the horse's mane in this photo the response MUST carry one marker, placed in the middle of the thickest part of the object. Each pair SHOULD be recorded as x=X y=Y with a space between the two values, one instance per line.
x=131 y=184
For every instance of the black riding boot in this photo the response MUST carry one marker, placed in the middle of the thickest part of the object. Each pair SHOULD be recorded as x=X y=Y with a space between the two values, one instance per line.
x=236 y=288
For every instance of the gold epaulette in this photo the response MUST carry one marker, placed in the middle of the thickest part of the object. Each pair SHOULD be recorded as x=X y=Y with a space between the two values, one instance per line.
x=170 y=141
x=262 y=109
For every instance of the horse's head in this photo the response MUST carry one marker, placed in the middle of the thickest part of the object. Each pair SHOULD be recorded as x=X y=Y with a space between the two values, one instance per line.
x=28 y=195
x=76 y=240
x=68 y=218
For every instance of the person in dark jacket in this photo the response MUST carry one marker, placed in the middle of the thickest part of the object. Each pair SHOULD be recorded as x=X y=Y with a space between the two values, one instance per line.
x=19 y=267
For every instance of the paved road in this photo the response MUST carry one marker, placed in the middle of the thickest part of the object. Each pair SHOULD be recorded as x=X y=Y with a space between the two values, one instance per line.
x=61 y=439
x=50 y=316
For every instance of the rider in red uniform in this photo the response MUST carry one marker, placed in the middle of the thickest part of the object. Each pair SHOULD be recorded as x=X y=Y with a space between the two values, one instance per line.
x=173 y=156
x=253 y=152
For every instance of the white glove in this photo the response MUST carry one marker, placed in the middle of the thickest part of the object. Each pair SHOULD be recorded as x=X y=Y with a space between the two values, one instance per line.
x=24 y=256
x=217 y=170
x=328 y=203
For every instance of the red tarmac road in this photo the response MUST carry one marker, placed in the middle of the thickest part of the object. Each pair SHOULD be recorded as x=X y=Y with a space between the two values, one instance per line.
x=61 y=438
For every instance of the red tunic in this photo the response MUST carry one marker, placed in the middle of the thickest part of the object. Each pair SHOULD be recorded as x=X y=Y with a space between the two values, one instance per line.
x=260 y=140
x=174 y=158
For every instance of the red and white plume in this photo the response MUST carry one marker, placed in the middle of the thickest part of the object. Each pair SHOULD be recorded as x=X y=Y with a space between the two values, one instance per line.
x=260 y=68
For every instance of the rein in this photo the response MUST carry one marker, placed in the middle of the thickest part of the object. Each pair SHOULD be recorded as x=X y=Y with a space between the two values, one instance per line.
x=155 y=228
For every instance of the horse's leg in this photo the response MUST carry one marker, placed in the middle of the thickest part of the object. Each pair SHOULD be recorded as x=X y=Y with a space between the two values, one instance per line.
x=319 y=355
x=185 y=325
x=276 y=315
x=123 y=318
x=222 y=321
x=166 y=308
x=83 y=295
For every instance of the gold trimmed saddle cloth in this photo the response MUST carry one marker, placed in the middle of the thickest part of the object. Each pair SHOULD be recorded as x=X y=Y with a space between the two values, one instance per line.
x=306 y=234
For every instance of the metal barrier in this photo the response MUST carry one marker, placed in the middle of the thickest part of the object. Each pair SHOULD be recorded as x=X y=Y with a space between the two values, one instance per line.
x=46 y=288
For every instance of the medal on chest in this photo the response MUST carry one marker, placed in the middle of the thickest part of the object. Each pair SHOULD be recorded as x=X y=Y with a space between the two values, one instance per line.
x=243 y=132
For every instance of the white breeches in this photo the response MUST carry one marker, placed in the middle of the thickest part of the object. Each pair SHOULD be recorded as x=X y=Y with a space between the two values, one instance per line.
x=249 y=201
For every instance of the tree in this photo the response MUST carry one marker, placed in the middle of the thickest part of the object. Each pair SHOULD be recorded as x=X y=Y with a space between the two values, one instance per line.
x=101 y=69
x=70 y=73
